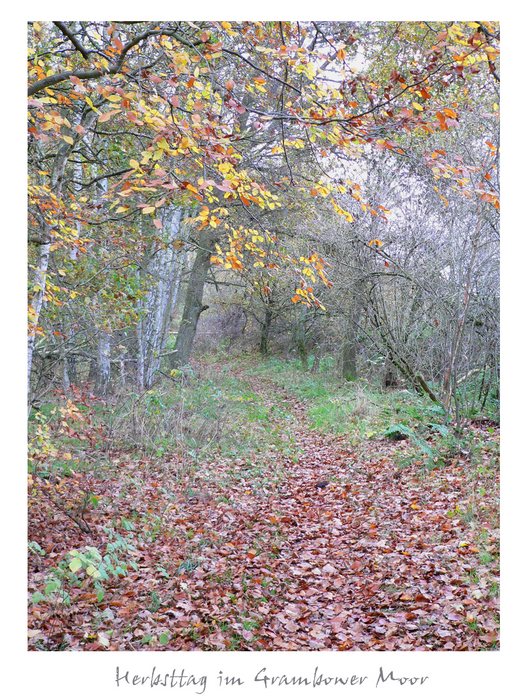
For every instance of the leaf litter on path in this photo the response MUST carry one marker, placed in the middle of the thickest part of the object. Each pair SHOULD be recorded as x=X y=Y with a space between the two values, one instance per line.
x=326 y=551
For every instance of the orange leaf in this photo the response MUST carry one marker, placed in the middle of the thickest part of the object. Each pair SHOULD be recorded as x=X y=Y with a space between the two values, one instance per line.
x=107 y=115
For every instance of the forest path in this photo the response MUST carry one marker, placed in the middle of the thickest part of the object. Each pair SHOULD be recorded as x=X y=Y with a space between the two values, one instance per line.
x=330 y=547
x=368 y=555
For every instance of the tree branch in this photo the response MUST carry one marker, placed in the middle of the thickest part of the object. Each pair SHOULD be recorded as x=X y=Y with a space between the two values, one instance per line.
x=50 y=80
x=71 y=36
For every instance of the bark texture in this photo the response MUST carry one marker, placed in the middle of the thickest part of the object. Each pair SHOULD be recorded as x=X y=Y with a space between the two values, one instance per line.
x=193 y=305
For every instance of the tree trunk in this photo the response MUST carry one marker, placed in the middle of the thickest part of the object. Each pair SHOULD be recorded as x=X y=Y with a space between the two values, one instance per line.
x=264 y=332
x=39 y=287
x=140 y=356
x=193 y=305
x=390 y=380
x=103 y=363
x=41 y=269
x=301 y=340
x=164 y=269
x=350 y=345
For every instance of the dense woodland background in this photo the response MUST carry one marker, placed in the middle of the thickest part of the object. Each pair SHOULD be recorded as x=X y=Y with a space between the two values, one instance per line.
x=263 y=347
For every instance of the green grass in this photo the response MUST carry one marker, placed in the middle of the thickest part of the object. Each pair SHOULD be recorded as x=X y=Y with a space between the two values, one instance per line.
x=217 y=412
x=348 y=408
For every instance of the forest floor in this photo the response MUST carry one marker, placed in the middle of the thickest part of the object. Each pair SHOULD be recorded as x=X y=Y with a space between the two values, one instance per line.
x=303 y=538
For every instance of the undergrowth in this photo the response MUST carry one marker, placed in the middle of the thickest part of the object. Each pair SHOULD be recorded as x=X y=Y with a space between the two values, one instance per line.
x=214 y=412
x=358 y=409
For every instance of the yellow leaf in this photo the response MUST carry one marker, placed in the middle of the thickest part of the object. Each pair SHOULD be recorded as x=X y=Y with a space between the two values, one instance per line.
x=92 y=571
x=417 y=106
x=91 y=104
x=148 y=210
x=133 y=164
x=68 y=139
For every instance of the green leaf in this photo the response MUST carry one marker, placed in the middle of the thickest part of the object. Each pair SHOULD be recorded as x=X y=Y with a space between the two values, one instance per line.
x=75 y=565
x=36 y=548
x=52 y=586
x=37 y=597
x=95 y=553
x=93 y=572
x=164 y=638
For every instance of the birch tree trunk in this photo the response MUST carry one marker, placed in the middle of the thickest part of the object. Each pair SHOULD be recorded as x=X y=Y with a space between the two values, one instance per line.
x=43 y=258
x=39 y=288
x=140 y=355
x=104 y=334
x=164 y=270
x=103 y=362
